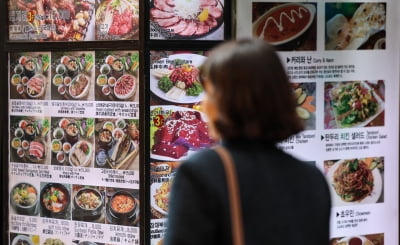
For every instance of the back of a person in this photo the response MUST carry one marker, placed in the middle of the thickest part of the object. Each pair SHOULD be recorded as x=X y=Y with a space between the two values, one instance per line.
x=250 y=108
x=284 y=201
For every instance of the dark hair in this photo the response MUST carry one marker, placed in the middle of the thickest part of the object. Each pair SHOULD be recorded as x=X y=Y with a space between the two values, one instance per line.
x=252 y=93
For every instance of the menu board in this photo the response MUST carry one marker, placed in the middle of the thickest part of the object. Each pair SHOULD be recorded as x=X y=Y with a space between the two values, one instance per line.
x=73 y=147
x=73 y=20
x=187 y=19
x=178 y=128
x=342 y=60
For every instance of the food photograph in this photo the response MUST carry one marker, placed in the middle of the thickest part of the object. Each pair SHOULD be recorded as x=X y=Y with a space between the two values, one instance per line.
x=117 y=77
x=122 y=206
x=287 y=26
x=72 y=75
x=177 y=132
x=161 y=177
x=24 y=199
x=369 y=239
x=353 y=25
x=174 y=78
x=54 y=241
x=55 y=200
x=117 y=19
x=24 y=239
x=187 y=19
x=29 y=139
x=305 y=99
x=30 y=75
x=72 y=141
x=88 y=203
x=355 y=181
x=72 y=20
x=354 y=104
x=117 y=143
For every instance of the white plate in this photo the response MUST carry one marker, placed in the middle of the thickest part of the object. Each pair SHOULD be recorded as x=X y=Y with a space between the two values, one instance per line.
x=86 y=162
x=153 y=190
x=197 y=61
x=23 y=238
x=381 y=106
x=173 y=109
x=43 y=88
x=309 y=7
x=372 y=198
x=85 y=90
x=128 y=95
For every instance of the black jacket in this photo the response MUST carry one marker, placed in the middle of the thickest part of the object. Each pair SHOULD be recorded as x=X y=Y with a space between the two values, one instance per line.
x=284 y=200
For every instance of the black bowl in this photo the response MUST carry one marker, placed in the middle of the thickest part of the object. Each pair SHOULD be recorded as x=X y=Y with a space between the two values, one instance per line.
x=54 y=204
x=88 y=213
x=124 y=216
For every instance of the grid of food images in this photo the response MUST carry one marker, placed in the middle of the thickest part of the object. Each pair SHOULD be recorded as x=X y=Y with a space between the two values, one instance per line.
x=77 y=142
x=73 y=20
x=178 y=128
x=64 y=140
x=97 y=204
x=182 y=19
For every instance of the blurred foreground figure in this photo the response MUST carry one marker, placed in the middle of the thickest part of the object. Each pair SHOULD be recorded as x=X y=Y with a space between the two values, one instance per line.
x=250 y=107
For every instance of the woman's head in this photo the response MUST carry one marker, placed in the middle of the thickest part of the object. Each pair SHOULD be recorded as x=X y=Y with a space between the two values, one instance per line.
x=248 y=93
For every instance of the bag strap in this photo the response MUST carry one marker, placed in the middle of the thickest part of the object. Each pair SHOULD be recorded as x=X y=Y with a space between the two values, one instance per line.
x=234 y=195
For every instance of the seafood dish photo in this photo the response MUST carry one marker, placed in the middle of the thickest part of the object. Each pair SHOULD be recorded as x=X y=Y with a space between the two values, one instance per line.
x=116 y=143
x=117 y=20
x=72 y=141
x=187 y=19
x=70 y=19
x=29 y=137
x=183 y=132
x=354 y=104
x=176 y=78
x=29 y=76
x=117 y=77
x=72 y=76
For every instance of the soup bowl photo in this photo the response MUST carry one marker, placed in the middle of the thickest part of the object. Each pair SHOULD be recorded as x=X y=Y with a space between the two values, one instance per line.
x=54 y=200
x=24 y=198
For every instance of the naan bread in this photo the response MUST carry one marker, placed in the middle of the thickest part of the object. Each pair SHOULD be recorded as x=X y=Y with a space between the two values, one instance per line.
x=367 y=20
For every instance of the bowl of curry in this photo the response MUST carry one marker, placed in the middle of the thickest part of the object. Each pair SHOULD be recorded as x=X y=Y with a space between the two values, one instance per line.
x=284 y=22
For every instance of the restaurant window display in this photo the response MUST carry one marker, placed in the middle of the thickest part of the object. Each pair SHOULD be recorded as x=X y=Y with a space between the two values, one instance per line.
x=74 y=147
x=347 y=96
x=100 y=96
